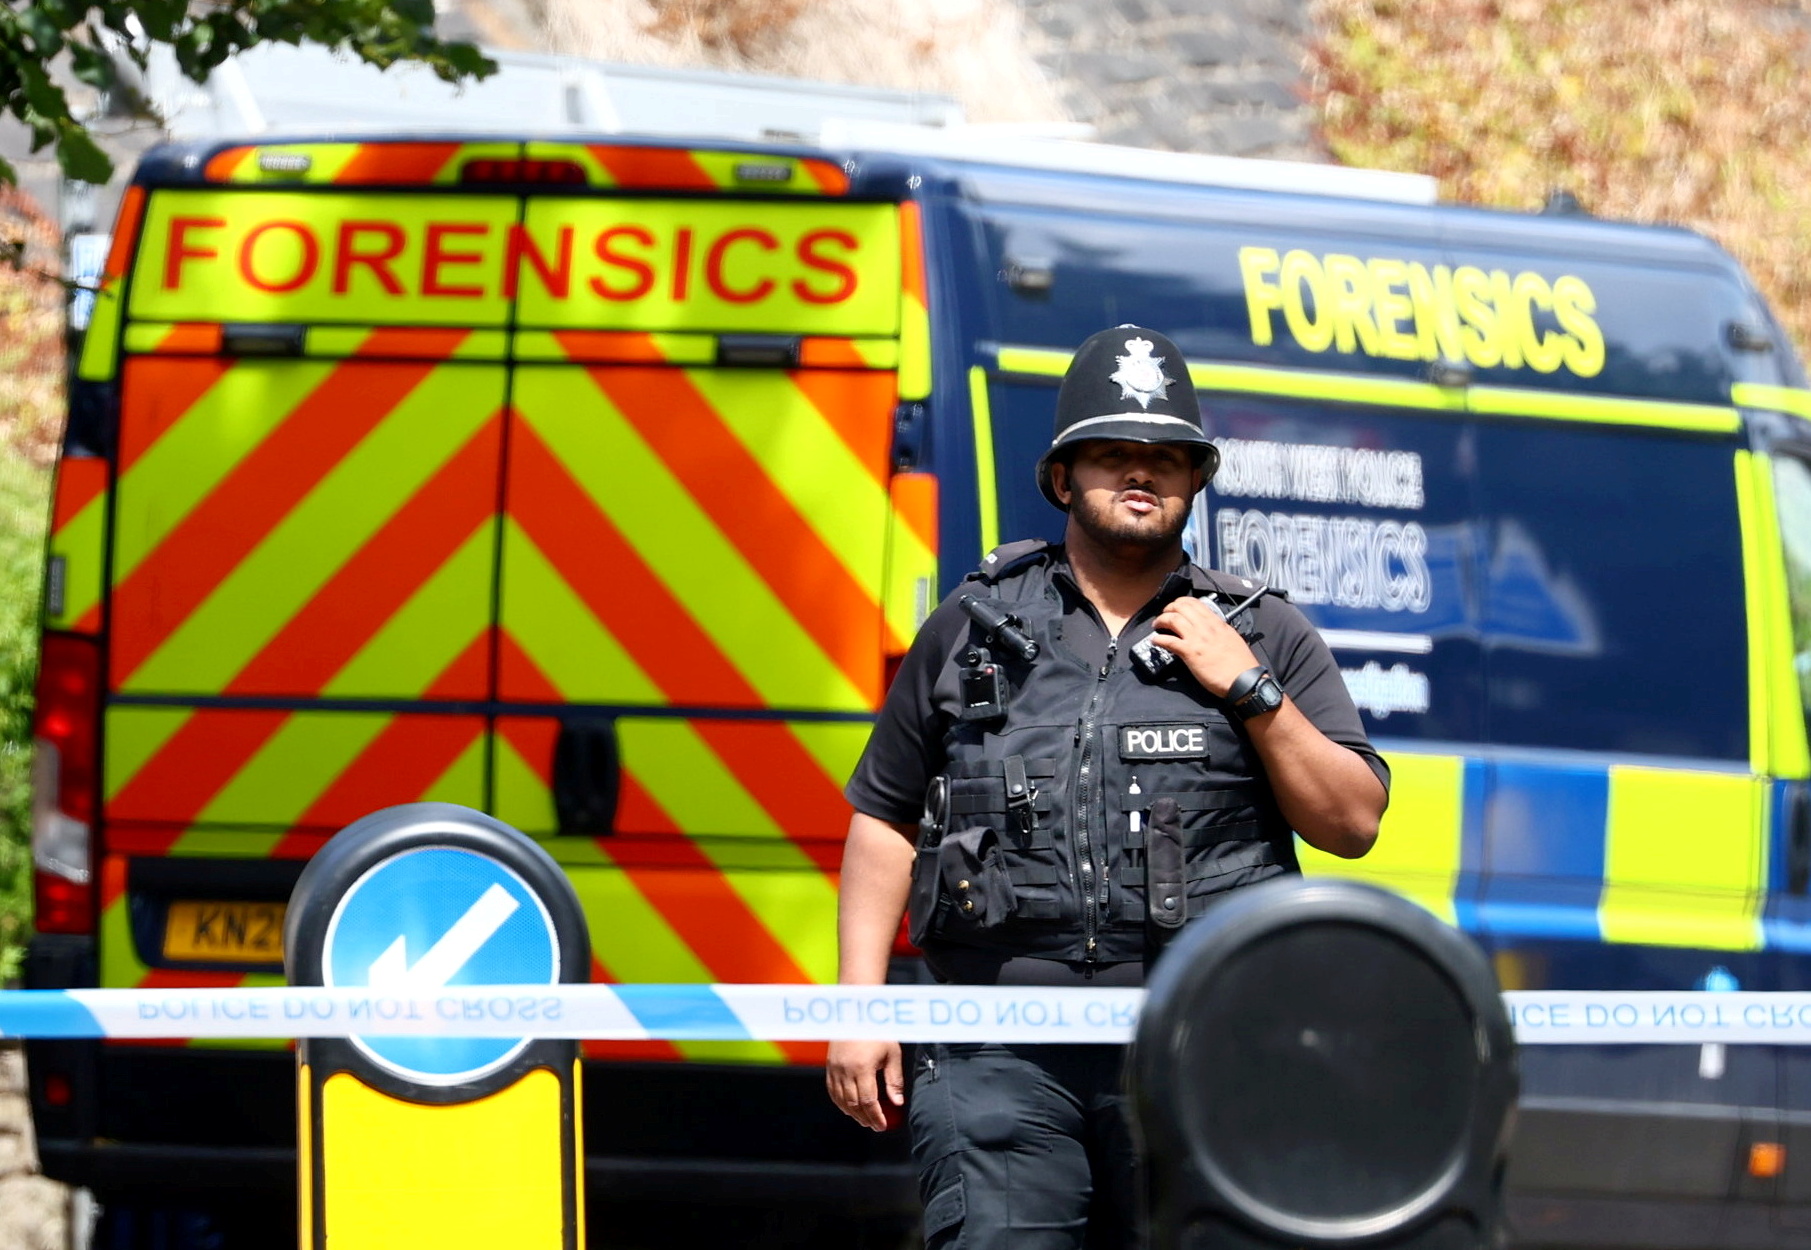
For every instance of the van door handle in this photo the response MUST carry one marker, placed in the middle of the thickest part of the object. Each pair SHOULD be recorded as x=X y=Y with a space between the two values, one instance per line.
x=587 y=768
x=1798 y=838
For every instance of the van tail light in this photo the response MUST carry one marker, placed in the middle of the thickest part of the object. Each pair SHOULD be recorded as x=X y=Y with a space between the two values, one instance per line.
x=65 y=779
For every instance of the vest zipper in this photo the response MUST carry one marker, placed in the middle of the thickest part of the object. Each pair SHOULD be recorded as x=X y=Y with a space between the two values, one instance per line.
x=1084 y=776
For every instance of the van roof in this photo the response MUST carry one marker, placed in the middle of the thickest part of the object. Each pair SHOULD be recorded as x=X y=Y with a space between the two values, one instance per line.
x=273 y=89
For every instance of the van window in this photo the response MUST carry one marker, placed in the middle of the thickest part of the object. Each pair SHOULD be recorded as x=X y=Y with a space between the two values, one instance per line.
x=1792 y=498
x=1612 y=600
x=1024 y=417
x=1364 y=515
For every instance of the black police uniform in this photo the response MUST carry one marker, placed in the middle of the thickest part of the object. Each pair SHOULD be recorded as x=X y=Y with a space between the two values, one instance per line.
x=1080 y=807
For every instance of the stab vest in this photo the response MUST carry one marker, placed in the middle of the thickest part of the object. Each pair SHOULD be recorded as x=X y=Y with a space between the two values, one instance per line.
x=1107 y=804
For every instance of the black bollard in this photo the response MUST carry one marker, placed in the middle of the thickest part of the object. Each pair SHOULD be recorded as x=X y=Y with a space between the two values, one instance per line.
x=1322 y=1063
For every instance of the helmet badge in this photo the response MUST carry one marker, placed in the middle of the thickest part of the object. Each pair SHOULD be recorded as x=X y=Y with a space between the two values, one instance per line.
x=1140 y=375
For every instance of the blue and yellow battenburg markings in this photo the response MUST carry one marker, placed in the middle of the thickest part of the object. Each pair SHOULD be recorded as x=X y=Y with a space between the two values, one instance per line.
x=1667 y=853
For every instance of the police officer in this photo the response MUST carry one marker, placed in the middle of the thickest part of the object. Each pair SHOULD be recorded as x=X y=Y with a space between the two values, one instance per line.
x=1069 y=764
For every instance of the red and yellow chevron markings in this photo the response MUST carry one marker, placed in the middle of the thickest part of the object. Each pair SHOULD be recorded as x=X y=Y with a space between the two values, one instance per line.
x=78 y=534
x=743 y=893
x=776 y=590
x=914 y=307
x=200 y=338
x=353 y=164
x=100 y=343
x=182 y=338
x=299 y=529
x=845 y=353
x=238 y=508
x=633 y=347
x=617 y=347
x=418 y=163
x=650 y=168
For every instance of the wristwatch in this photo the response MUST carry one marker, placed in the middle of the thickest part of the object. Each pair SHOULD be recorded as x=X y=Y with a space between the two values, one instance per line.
x=1253 y=693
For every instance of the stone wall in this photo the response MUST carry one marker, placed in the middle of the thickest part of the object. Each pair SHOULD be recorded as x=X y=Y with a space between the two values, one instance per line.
x=32 y=1209
x=1218 y=76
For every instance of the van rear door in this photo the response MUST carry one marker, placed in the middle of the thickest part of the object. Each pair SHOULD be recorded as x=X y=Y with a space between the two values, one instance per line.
x=694 y=611
x=574 y=506
x=302 y=563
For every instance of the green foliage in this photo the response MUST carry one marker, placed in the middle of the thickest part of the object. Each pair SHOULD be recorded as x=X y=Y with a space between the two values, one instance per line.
x=202 y=35
x=31 y=415
x=24 y=506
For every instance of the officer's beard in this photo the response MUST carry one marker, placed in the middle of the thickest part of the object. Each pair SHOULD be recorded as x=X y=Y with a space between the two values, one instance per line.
x=1105 y=526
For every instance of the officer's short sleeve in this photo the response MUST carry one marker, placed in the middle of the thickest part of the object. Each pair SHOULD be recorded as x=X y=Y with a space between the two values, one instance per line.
x=1310 y=676
x=906 y=748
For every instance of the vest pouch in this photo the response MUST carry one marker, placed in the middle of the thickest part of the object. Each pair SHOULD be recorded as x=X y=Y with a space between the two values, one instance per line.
x=1166 y=893
x=974 y=877
x=1202 y=844
x=921 y=904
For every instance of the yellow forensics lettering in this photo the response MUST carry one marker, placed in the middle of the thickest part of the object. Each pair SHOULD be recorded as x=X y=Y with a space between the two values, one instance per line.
x=1397 y=309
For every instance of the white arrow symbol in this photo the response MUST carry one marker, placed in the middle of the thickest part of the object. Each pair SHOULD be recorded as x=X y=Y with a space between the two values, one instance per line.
x=452 y=952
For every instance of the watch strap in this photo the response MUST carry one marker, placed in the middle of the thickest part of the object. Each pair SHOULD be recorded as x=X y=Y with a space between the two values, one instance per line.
x=1245 y=683
x=1265 y=696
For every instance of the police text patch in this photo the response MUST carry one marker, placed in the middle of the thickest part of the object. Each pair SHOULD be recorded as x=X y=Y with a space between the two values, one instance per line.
x=1163 y=742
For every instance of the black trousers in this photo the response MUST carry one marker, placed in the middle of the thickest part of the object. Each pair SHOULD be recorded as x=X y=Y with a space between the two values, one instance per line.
x=1023 y=1147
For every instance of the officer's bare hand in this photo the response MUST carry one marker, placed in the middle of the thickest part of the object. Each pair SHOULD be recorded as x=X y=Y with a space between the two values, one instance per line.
x=1201 y=639
x=859 y=1075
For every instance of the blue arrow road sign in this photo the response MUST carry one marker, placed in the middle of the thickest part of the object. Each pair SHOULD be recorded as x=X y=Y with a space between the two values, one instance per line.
x=438 y=918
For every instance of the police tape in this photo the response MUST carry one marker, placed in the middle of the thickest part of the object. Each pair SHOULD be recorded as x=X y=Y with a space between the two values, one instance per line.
x=906 y=1013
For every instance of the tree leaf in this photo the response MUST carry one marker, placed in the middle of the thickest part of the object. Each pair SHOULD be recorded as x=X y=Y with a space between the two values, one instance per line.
x=46 y=35
x=44 y=96
x=379 y=32
x=91 y=65
x=80 y=157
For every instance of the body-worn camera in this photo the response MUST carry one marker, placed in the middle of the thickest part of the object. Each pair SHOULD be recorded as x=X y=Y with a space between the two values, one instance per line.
x=982 y=686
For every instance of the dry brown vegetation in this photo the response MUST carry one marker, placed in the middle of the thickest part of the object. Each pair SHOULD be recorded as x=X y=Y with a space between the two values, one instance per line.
x=980 y=51
x=1694 y=112
x=31 y=331
x=746 y=28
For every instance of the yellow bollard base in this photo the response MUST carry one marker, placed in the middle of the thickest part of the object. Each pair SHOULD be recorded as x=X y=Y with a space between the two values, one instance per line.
x=394 y=1175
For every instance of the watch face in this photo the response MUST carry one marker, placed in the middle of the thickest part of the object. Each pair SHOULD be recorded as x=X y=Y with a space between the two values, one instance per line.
x=1266 y=696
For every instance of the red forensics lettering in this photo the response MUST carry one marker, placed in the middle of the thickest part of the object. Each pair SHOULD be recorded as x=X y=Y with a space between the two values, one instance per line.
x=306 y=265
x=347 y=254
x=556 y=279
x=180 y=249
x=436 y=256
x=713 y=266
x=682 y=263
x=643 y=271
x=844 y=274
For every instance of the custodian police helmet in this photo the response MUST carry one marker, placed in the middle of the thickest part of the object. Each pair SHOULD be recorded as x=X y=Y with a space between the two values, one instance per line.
x=1130 y=383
